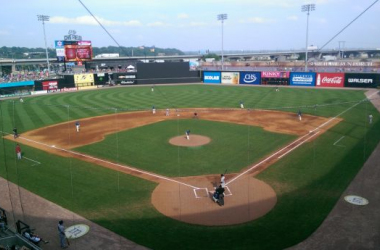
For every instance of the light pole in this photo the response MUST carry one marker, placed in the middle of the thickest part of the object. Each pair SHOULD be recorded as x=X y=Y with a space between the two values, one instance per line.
x=307 y=8
x=44 y=18
x=222 y=17
x=341 y=52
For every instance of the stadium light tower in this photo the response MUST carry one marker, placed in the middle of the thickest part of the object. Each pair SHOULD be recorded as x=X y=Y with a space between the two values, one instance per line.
x=44 y=18
x=307 y=8
x=222 y=17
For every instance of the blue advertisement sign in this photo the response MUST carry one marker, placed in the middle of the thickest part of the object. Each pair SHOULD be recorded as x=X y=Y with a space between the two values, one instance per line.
x=211 y=77
x=250 y=78
x=302 y=78
x=16 y=84
x=59 y=44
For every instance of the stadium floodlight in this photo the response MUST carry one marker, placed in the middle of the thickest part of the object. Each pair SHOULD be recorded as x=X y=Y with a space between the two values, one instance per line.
x=307 y=8
x=222 y=17
x=44 y=19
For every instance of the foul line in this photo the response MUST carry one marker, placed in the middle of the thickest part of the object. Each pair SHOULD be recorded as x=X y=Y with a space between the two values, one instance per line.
x=268 y=158
x=37 y=162
x=339 y=141
x=108 y=162
x=298 y=145
x=320 y=126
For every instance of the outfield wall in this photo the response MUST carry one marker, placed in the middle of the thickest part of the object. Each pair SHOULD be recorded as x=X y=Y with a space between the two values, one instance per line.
x=304 y=79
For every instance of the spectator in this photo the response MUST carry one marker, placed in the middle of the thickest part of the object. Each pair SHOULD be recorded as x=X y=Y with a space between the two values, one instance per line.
x=3 y=220
x=34 y=237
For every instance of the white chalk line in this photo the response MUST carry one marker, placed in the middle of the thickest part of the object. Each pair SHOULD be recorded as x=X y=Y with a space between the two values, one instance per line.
x=266 y=159
x=335 y=144
x=196 y=195
x=108 y=162
x=37 y=162
x=298 y=145
x=229 y=191
x=320 y=126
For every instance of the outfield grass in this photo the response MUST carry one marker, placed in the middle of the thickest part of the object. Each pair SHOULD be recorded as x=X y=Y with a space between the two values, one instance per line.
x=232 y=147
x=308 y=181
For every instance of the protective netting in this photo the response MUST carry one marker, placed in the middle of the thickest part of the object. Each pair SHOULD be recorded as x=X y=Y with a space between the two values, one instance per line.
x=145 y=159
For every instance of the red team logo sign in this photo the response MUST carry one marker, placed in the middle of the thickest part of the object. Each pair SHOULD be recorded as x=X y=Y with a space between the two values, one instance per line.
x=330 y=80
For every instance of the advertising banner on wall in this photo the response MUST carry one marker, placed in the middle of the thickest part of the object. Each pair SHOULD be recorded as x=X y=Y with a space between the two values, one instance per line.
x=302 y=79
x=330 y=80
x=361 y=80
x=250 y=78
x=211 y=77
x=230 y=77
x=83 y=78
x=125 y=79
x=50 y=86
x=274 y=74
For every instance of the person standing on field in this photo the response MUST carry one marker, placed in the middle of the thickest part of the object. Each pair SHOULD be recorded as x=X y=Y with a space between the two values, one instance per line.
x=18 y=152
x=62 y=235
x=222 y=180
x=15 y=134
x=299 y=115
x=77 y=126
x=370 y=117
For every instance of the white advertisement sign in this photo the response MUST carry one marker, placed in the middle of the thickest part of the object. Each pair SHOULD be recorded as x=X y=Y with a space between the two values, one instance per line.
x=230 y=77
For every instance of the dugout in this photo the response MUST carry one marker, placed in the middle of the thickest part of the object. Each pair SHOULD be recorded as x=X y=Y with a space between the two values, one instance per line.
x=16 y=88
x=167 y=72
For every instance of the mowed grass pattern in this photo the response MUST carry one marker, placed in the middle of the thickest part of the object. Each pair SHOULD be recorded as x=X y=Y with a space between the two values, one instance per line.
x=308 y=181
x=232 y=147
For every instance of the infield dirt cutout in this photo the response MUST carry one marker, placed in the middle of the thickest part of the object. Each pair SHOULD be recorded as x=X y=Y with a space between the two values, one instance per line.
x=188 y=199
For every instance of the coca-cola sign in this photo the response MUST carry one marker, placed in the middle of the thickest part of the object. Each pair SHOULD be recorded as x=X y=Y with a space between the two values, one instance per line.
x=330 y=80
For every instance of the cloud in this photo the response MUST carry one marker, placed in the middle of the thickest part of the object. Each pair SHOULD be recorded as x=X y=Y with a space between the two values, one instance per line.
x=156 y=24
x=4 y=32
x=292 y=18
x=115 y=31
x=257 y=20
x=197 y=24
x=322 y=20
x=182 y=16
x=89 y=20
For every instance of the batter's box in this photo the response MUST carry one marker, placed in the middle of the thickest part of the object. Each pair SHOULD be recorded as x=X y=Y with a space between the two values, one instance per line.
x=201 y=193
x=227 y=191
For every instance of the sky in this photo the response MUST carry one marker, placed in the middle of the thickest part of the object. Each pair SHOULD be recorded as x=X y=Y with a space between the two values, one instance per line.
x=192 y=25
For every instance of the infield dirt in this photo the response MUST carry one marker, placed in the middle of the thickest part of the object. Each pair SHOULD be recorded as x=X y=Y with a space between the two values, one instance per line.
x=187 y=199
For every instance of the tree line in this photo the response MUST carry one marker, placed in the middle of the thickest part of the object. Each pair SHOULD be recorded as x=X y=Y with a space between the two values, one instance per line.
x=29 y=53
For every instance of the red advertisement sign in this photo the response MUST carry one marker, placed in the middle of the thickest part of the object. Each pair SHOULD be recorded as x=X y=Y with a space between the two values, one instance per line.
x=330 y=80
x=274 y=74
x=75 y=52
x=50 y=85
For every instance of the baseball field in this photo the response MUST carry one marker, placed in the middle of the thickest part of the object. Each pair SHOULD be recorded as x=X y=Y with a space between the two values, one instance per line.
x=123 y=171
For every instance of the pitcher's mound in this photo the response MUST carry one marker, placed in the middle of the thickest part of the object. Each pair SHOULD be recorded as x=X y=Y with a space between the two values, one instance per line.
x=195 y=140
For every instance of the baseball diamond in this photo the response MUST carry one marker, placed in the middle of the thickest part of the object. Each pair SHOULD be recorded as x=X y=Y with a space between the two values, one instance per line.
x=123 y=171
